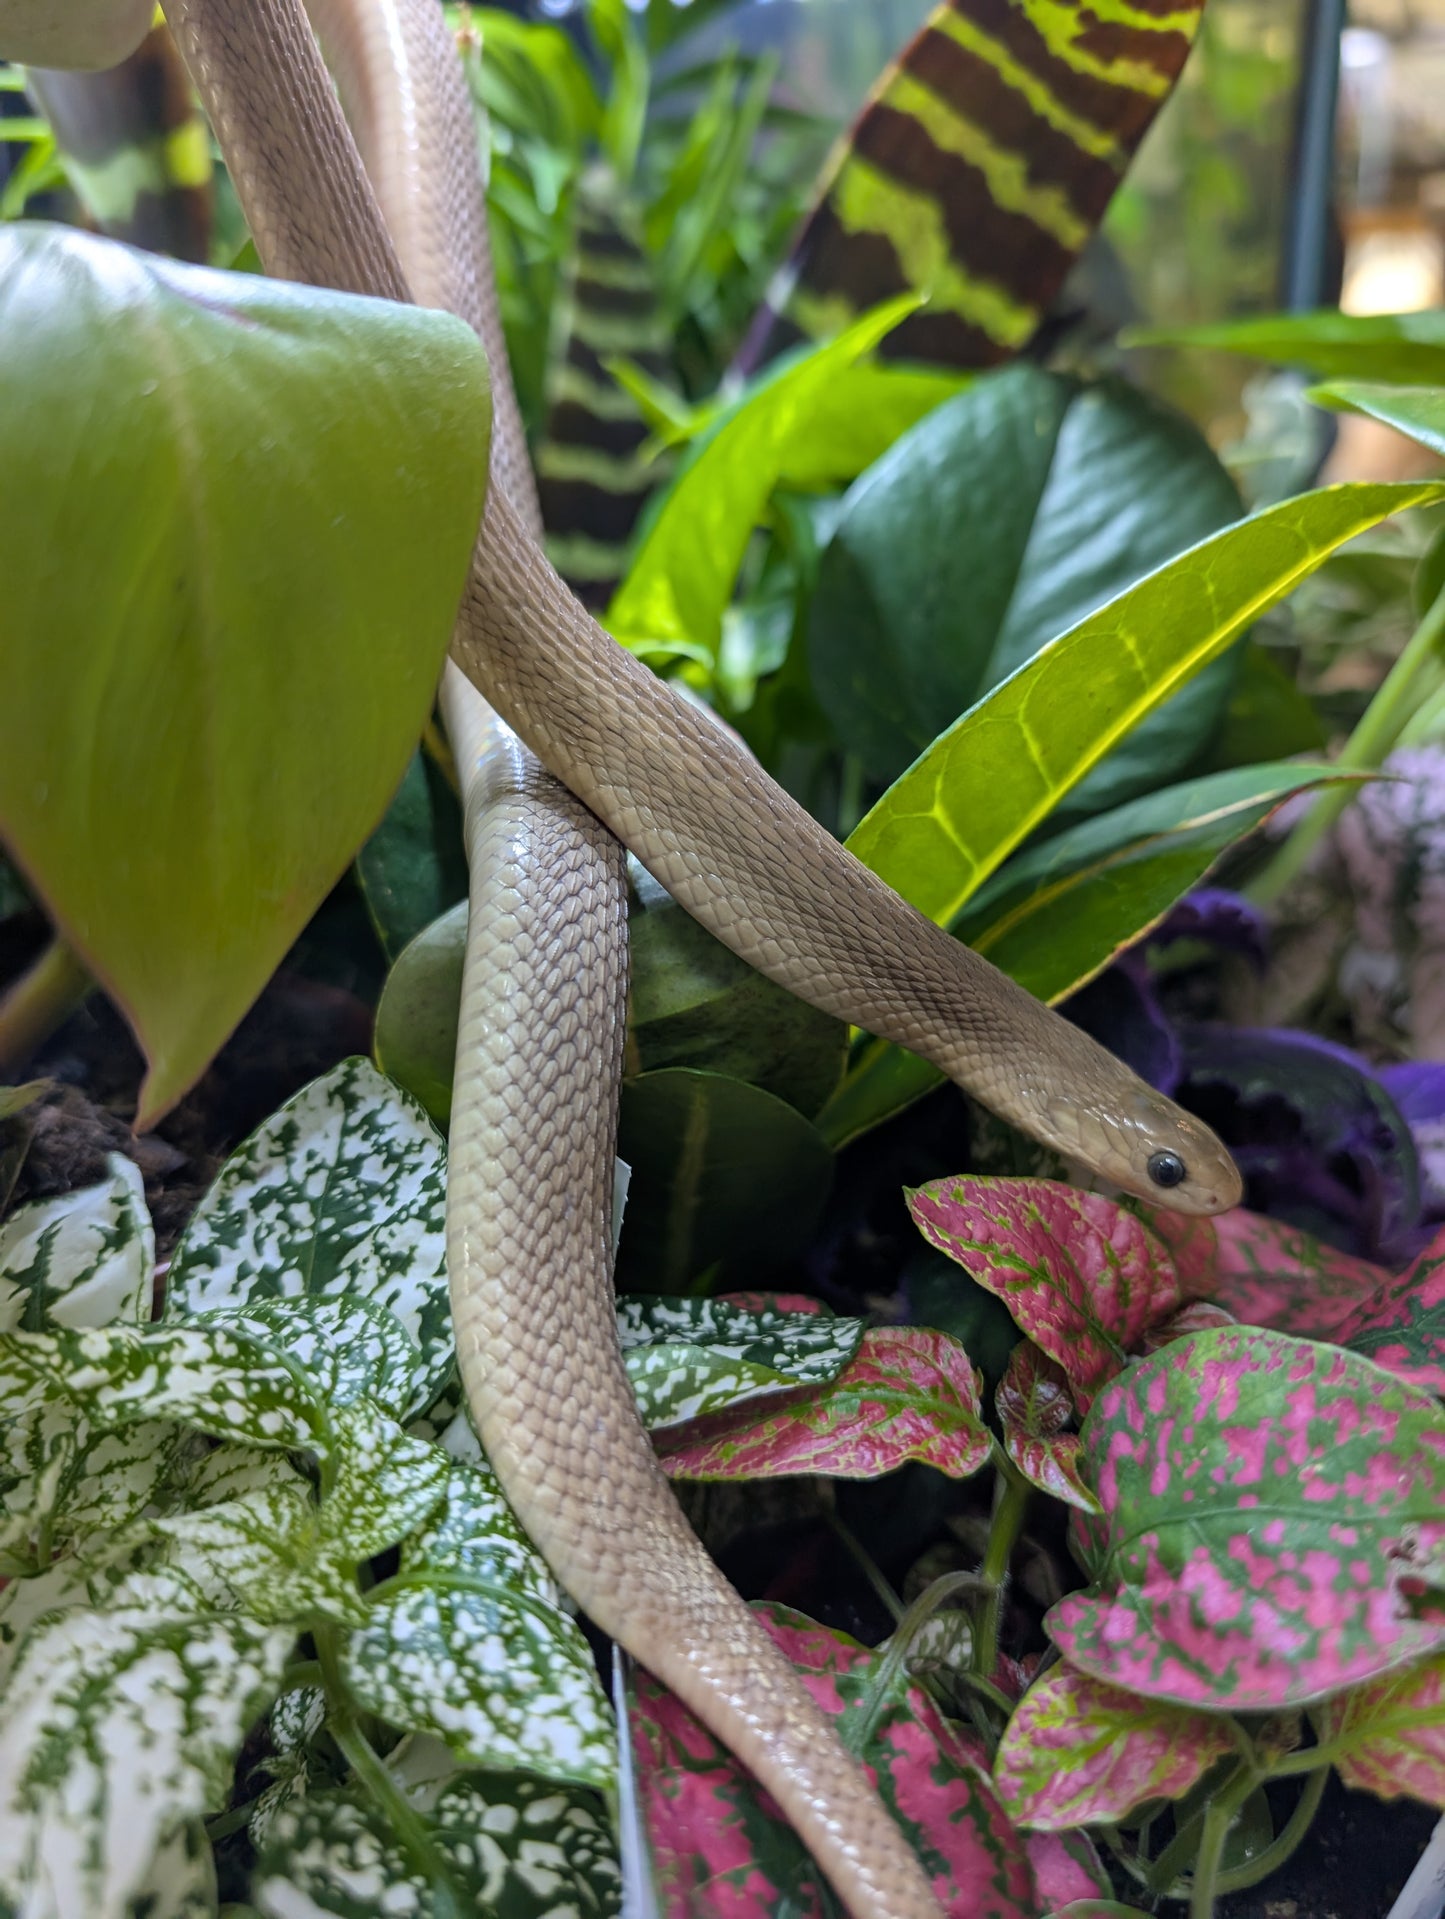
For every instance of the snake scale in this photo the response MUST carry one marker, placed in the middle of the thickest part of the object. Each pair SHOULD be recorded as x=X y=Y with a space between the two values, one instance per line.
x=540 y=1046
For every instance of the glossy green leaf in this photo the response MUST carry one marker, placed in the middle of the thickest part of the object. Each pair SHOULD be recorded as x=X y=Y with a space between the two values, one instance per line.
x=980 y=790
x=682 y=577
x=1416 y=410
x=1396 y=347
x=999 y=522
x=861 y=414
x=414 y=865
x=83 y=1259
x=686 y=1357
x=415 y=1040
x=1269 y=717
x=726 y=1180
x=237 y=527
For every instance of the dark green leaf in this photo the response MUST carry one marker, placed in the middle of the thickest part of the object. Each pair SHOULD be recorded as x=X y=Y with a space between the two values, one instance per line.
x=1418 y=411
x=414 y=865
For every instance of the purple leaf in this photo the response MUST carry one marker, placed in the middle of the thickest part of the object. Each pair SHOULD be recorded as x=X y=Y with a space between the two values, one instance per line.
x=1389 y=1737
x=908 y=1394
x=1078 y=1751
x=1401 y=1326
x=1034 y=1407
x=1219 y=918
x=722 y=1850
x=1265 y=1272
x=1082 y=1277
x=1265 y=1500
x=1418 y=1089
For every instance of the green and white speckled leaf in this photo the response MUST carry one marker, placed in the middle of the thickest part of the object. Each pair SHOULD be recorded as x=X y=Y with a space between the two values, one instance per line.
x=84 y=1259
x=181 y=1883
x=516 y=1849
x=469 y=1641
x=86 y=1494
x=348 y=1349
x=296 y=1720
x=691 y=1356
x=23 y=1601
x=116 y=1726
x=342 y=1191
x=38 y=1449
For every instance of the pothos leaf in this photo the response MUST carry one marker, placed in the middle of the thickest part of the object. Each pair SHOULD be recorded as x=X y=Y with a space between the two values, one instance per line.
x=1388 y=1738
x=1034 y=1407
x=115 y=1727
x=1264 y=1498
x=342 y=1191
x=691 y=1356
x=1078 y=1752
x=907 y=1394
x=514 y=1847
x=84 y=1259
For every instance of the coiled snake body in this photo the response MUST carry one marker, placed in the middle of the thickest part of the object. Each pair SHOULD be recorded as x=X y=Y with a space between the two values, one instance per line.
x=539 y=1053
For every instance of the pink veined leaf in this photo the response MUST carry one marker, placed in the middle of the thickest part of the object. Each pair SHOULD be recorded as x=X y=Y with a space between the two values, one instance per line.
x=1081 y=1276
x=1264 y=1272
x=1078 y=1751
x=722 y=1850
x=1268 y=1502
x=1393 y=1734
x=772 y=1302
x=1066 y=1867
x=1034 y=1405
x=1401 y=1326
x=907 y=1394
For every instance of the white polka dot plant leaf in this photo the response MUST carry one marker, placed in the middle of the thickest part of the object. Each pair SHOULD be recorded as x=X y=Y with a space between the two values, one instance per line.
x=691 y=1356
x=84 y=1259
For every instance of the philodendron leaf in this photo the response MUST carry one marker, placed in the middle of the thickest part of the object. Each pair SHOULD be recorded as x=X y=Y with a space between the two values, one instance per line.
x=1265 y=1498
x=514 y=1847
x=469 y=1641
x=1406 y=348
x=707 y=1829
x=341 y=1191
x=980 y=790
x=999 y=522
x=1078 y=1752
x=231 y=568
x=1401 y=1325
x=1034 y=1408
x=1265 y=1272
x=1388 y=1738
x=84 y=1259
x=1081 y=1276
x=114 y=1728
x=1416 y=410
x=686 y=1357
x=907 y=1394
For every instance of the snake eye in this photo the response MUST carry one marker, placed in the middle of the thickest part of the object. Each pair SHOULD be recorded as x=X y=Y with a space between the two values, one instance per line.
x=1166 y=1169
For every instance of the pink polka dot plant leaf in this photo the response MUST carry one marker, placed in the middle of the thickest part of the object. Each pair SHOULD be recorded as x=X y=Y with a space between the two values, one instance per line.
x=1066 y=1867
x=1081 y=1276
x=1035 y=1407
x=720 y=1848
x=1264 y=1272
x=1097 y=1909
x=1269 y=1503
x=908 y=1394
x=1079 y=1751
x=1389 y=1737
x=1401 y=1326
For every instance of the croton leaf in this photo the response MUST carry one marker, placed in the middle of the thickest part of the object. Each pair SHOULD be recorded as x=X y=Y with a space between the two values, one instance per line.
x=469 y=1641
x=908 y=1394
x=1265 y=1498
x=1388 y=1738
x=115 y=1727
x=1401 y=1325
x=1078 y=1752
x=514 y=1847
x=721 y=1850
x=82 y=1259
x=341 y=1191
x=1034 y=1407
x=686 y=1357
x=246 y=522
x=1264 y=1271
x=1081 y=1276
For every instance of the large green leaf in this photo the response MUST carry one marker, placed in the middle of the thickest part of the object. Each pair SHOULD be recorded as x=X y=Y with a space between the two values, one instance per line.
x=236 y=523
x=1396 y=347
x=980 y=790
x=1418 y=411
x=1001 y=521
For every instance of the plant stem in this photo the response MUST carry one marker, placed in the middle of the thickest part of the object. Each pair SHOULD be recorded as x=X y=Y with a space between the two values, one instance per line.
x=39 y=1003
x=1238 y=1878
x=1411 y=679
x=1217 y=1822
x=884 y=1679
x=1010 y=1506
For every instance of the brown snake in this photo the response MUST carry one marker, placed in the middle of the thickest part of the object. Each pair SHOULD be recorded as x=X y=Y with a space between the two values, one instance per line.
x=540 y=1046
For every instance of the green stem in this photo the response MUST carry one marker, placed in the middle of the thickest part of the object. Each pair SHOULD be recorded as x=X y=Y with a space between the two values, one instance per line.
x=39 y=1003
x=1282 y=1848
x=882 y=1684
x=1210 y=1857
x=1010 y=1505
x=1412 y=677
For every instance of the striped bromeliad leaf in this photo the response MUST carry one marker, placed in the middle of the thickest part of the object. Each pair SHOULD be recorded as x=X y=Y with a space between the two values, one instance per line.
x=1035 y=1409
x=687 y=1357
x=1078 y=1752
x=983 y=162
x=1269 y=1506
x=1388 y=1738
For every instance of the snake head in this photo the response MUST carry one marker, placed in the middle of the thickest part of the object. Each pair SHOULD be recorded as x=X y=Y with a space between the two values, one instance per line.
x=1152 y=1148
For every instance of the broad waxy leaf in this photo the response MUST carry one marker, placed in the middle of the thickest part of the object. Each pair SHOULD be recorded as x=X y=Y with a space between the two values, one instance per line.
x=1389 y=1737
x=686 y=1357
x=341 y=1191
x=980 y=790
x=720 y=1851
x=862 y=413
x=414 y=865
x=1418 y=411
x=1265 y=1500
x=1080 y=1275
x=84 y=1259
x=1034 y=1407
x=1265 y=1272
x=415 y=1040
x=115 y=1727
x=1078 y=1752
x=1401 y=1326
x=247 y=500
x=1406 y=348
x=998 y=523
x=908 y=1394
